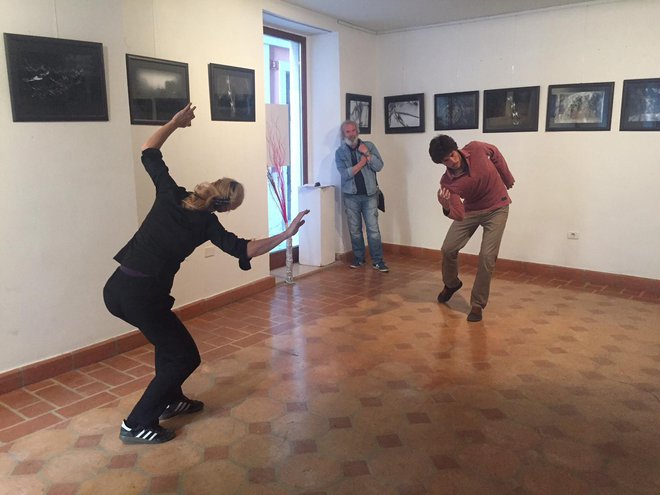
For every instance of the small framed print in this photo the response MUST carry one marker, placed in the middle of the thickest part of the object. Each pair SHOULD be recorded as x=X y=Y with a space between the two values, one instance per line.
x=232 y=93
x=511 y=109
x=55 y=80
x=404 y=113
x=358 y=109
x=640 y=107
x=580 y=107
x=456 y=110
x=157 y=89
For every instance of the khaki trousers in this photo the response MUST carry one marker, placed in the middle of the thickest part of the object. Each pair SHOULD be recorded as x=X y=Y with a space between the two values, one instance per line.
x=493 y=223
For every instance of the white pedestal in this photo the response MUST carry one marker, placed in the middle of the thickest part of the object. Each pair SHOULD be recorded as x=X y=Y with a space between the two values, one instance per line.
x=317 y=236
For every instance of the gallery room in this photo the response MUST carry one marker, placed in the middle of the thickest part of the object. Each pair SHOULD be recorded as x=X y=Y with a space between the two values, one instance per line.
x=318 y=373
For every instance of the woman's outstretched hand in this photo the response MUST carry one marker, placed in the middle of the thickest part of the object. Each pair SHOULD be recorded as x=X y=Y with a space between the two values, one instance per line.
x=183 y=118
x=258 y=247
x=296 y=223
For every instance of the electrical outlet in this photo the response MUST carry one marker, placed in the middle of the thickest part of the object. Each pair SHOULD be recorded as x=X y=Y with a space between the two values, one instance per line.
x=573 y=235
x=209 y=251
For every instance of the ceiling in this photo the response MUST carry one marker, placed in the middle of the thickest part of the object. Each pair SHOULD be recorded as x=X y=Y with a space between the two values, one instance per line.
x=385 y=16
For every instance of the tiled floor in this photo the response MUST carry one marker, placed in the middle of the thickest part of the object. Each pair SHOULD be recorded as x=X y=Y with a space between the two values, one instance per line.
x=357 y=382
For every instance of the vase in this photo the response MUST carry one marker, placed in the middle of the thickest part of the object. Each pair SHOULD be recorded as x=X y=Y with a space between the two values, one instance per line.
x=289 y=261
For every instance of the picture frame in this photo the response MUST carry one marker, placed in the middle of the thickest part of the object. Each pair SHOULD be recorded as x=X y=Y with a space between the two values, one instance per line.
x=157 y=89
x=580 y=107
x=55 y=79
x=404 y=113
x=640 y=106
x=358 y=109
x=232 y=93
x=456 y=110
x=511 y=109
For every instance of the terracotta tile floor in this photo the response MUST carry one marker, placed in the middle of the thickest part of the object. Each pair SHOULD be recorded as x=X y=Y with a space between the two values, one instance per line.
x=357 y=382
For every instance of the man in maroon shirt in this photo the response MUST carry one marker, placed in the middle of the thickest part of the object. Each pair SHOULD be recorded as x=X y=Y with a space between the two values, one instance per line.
x=473 y=193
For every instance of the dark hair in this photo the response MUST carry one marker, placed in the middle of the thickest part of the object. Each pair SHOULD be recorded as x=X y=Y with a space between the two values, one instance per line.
x=440 y=146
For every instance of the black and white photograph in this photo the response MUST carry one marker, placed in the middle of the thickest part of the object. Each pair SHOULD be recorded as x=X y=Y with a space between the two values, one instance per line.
x=511 y=109
x=358 y=109
x=157 y=89
x=404 y=113
x=640 y=107
x=232 y=93
x=456 y=110
x=55 y=80
x=580 y=107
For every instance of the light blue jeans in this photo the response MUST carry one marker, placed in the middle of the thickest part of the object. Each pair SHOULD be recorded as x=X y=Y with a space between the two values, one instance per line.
x=357 y=207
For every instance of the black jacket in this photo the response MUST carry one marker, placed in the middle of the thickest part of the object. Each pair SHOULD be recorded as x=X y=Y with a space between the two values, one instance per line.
x=170 y=232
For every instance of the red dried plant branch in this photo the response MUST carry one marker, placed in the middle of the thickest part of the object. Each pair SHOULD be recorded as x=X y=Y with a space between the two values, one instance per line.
x=276 y=151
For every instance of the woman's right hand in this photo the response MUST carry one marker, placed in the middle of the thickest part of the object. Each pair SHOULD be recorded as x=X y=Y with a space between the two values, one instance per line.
x=258 y=247
x=296 y=223
x=183 y=118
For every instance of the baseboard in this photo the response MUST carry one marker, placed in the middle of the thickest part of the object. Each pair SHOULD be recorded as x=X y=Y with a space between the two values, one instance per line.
x=575 y=276
x=48 y=368
x=649 y=289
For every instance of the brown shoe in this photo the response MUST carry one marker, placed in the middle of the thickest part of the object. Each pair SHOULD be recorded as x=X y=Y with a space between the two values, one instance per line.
x=447 y=292
x=475 y=314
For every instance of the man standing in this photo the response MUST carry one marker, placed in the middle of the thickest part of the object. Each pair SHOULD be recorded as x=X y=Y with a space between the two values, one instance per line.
x=357 y=162
x=473 y=193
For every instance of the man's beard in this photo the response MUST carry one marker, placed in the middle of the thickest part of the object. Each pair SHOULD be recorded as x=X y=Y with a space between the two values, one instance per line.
x=352 y=143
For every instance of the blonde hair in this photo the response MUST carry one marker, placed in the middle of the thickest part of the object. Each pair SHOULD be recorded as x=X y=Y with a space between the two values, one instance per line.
x=222 y=195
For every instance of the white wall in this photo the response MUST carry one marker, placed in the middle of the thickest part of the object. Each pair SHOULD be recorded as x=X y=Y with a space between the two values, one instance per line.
x=602 y=184
x=67 y=196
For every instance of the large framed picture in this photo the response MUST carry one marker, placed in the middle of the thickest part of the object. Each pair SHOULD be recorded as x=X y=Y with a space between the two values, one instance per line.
x=55 y=80
x=358 y=109
x=404 y=113
x=456 y=110
x=640 y=107
x=157 y=89
x=580 y=107
x=511 y=109
x=232 y=93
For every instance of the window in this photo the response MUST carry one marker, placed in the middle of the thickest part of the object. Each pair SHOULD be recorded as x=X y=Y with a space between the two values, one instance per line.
x=284 y=85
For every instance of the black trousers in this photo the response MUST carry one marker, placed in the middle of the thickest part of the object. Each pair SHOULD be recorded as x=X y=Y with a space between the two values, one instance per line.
x=146 y=304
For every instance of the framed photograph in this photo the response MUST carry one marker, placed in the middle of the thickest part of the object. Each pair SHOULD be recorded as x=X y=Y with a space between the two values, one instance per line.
x=232 y=93
x=511 y=109
x=456 y=110
x=157 y=89
x=580 y=107
x=640 y=108
x=404 y=113
x=55 y=80
x=358 y=109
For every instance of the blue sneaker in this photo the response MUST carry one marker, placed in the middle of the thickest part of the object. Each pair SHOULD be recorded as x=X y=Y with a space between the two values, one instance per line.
x=357 y=263
x=381 y=267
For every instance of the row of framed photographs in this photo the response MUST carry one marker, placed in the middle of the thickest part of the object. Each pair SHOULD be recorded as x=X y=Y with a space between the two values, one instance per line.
x=571 y=107
x=158 y=88
x=53 y=80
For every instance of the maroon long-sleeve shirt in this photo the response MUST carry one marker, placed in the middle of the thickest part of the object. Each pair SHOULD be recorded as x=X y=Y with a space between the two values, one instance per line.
x=484 y=185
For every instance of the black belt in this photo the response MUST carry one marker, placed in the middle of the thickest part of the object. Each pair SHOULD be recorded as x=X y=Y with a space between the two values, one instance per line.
x=132 y=273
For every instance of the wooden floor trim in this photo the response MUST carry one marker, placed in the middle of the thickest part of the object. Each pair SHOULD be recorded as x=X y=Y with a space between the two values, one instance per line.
x=574 y=275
